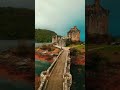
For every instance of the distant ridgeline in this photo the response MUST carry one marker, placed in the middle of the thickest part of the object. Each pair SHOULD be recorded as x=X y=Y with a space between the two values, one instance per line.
x=43 y=35
x=16 y=23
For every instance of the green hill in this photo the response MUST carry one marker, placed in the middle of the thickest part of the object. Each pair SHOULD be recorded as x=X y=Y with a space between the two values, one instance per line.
x=16 y=23
x=43 y=35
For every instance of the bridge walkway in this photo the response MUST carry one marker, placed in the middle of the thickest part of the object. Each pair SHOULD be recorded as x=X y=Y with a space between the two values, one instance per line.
x=55 y=81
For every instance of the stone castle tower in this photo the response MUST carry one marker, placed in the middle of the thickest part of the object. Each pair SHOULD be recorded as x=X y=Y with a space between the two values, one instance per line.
x=74 y=34
x=96 y=19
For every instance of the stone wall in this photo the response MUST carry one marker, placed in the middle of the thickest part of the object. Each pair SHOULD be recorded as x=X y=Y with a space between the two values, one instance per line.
x=60 y=41
x=74 y=34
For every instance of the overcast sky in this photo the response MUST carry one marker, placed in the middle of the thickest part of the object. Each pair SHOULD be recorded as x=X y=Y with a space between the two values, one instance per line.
x=18 y=3
x=60 y=15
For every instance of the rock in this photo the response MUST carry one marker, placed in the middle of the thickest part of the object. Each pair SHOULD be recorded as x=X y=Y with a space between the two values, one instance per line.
x=7 y=56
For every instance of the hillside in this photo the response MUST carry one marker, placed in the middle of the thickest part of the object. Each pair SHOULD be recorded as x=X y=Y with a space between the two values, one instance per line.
x=16 y=23
x=42 y=35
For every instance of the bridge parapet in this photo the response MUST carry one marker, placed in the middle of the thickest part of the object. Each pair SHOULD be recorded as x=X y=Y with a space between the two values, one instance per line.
x=49 y=70
x=45 y=74
x=67 y=81
x=43 y=77
x=67 y=76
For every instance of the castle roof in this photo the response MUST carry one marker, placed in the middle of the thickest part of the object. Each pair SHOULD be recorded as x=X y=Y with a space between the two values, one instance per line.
x=74 y=29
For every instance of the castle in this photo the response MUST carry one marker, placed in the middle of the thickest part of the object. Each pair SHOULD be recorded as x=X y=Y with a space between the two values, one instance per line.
x=96 y=19
x=58 y=40
x=73 y=36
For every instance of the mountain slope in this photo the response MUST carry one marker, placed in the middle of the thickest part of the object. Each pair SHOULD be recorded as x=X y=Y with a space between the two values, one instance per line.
x=16 y=23
x=43 y=35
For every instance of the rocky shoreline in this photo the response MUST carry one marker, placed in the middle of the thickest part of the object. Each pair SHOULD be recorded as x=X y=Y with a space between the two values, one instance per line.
x=17 y=67
x=46 y=54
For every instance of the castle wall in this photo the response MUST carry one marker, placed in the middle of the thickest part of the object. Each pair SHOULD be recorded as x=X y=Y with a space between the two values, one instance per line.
x=75 y=36
x=97 y=24
x=59 y=41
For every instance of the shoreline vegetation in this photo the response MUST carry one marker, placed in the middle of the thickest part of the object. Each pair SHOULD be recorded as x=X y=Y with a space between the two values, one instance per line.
x=77 y=53
x=44 y=56
x=103 y=65
x=17 y=65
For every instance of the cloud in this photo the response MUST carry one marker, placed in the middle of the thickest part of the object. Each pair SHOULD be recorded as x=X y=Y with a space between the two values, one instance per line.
x=60 y=16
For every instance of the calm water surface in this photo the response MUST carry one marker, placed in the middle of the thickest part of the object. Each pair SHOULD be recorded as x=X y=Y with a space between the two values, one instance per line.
x=6 y=44
x=14 y=85
x=40 y=44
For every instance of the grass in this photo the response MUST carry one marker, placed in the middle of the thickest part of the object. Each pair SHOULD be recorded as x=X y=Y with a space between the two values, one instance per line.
x=107 y=66
x=112 y=53
x=109 y=51
x=78 y=46
x=90 y=46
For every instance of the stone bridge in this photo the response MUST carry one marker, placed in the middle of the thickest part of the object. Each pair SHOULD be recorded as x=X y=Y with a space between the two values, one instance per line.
x=57 y=76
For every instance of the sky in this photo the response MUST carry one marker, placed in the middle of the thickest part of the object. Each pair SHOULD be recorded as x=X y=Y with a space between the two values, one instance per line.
x=60 y=16
x=67 y=12
x=18 y=3
x=114 y=15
